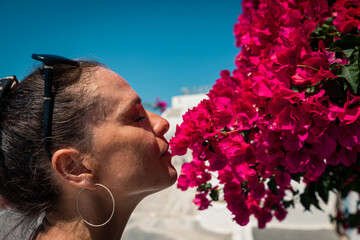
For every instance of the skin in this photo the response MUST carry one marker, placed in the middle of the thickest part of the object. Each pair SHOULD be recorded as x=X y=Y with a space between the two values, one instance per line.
x=129 y=156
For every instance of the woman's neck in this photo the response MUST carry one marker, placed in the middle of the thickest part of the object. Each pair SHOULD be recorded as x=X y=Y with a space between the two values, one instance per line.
x=59 y=226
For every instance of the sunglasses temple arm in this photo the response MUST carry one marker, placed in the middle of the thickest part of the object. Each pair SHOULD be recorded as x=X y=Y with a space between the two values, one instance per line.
x=48 y=106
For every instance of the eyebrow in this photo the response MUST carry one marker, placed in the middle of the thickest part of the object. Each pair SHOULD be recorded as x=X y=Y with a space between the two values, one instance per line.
x=137 y=100
x=127 y=108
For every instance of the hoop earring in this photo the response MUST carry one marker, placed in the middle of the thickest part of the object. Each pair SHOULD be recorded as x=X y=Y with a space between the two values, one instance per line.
x=113 y=209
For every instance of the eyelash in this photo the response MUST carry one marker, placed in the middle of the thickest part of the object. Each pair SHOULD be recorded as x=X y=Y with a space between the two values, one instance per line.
x=140 y=119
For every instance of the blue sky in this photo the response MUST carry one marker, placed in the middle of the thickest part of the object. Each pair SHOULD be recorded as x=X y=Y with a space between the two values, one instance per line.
x=158 y=46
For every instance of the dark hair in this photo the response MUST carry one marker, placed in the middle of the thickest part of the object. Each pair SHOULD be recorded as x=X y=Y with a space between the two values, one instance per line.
x=26 y=181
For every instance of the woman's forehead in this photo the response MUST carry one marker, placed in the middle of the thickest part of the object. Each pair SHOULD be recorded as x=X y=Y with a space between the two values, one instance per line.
x=107 y=77
x=111 y=83
x=115 y=89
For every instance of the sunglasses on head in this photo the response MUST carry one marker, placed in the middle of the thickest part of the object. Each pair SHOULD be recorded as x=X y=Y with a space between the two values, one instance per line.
x=49 y=62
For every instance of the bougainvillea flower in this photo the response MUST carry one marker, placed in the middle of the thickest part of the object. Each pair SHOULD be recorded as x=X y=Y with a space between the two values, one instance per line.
x=243 y=171
x=201 y=201
x=217 y=162
x=243 y=217
x=258 y=192
x=297 y=160
x=317 y=10
x=316 y=166
x=324 y=146
x=347 y=157
x=289 y=109
x=263 y=215
x=193 y=175
x=347 y=18
x=349 y=136
x=280 y=212
x=352 y=111
x=233 y=145
x=179 y=144
x=161 y=105
x=282 y=178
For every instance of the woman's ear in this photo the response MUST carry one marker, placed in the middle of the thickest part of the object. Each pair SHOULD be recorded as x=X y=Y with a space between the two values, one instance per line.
x=69 y=165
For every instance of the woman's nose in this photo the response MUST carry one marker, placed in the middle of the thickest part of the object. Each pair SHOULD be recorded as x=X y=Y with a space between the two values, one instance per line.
x=159 y=124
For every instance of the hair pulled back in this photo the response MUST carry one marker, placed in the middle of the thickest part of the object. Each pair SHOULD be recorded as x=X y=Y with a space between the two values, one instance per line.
x=26 y=181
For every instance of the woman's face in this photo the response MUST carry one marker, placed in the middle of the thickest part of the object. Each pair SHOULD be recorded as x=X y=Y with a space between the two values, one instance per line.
x=129 y=147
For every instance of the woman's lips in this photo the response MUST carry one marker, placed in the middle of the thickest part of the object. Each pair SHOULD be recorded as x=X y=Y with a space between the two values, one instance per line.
x=167 y=155
x=166 y=150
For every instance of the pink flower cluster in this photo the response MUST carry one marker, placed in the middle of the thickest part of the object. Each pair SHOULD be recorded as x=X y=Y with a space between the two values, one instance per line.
x=272 y=118
x=348 y=15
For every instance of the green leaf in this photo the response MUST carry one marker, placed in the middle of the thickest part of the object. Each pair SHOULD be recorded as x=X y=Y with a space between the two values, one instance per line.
x=327 y=28
x=289 y=203
x=246 y=135
x=348 y=52
x=308 y=197
x=214 y=194
x=296 y=176
x=329 y=21
x=354 y=220
x=205 y=143
x=351 y=74
x=305 y=201
x=317 y=31
x=204 y=187
x=336 y=49
x=272 y=186
x=311 y=190
x=348 y=41
x=333 y=88
x=211 y=148
x=323 y=191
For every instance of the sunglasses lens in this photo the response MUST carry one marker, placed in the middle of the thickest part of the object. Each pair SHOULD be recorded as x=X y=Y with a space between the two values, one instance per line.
x=50 y=60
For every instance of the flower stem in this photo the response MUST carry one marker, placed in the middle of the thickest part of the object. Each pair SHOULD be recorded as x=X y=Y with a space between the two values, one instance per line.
x=306 y=66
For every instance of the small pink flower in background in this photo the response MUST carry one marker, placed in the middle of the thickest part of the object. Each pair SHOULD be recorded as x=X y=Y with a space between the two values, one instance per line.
x=158 y=105
x=161 y=105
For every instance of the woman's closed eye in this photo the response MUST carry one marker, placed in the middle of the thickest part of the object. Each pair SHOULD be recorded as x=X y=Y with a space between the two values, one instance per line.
x=139 y=119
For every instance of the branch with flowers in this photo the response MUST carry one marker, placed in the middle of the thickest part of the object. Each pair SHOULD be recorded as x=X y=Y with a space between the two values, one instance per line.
x=158 y=105
x=289 y=111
